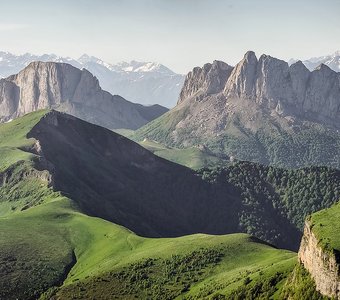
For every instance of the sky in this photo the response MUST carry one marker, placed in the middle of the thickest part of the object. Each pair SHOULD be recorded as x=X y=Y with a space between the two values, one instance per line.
x=180 y=34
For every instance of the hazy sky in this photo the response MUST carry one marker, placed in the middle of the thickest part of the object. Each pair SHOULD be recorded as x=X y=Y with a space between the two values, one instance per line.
x=178 y=33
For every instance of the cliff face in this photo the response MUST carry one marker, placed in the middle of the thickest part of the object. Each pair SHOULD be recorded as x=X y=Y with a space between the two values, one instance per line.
x=292 y=90
x=322 y=265
x=61 y=86
x=271 y=84
x=209 y=79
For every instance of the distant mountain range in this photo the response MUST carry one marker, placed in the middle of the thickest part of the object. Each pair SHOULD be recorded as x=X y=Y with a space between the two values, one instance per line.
x=332 y=61
x=61 y=86
x=142 y=82
x=261 y=110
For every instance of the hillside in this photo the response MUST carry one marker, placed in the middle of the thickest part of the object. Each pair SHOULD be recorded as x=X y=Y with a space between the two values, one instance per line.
x=83 y=183
x=111 y=177
x=193 y=157
x=89 y=257
x=261 y=110
x=46 y=85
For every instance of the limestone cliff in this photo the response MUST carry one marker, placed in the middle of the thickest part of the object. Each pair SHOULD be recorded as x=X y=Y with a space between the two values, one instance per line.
x=292 y=90
x=63 y=87
x=322 y=265
x=209 y=79
x=272 y=85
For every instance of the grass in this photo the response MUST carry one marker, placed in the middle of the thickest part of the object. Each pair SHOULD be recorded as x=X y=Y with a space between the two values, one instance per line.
x=192 y=157
x=300 y=285
x=326 y=227
x=13 y=139
x=46 y=236
x=48 y=247
x=13 y=134
x=25 y=186
x=267 y=141
x=124 y=132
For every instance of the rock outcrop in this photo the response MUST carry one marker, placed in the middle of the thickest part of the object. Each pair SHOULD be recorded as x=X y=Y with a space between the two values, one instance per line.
x=292 y=90
x=63 y=87
x=272 y=84
x=141 y=82
x=257 y=111
x=322 y=265
x=209 y=79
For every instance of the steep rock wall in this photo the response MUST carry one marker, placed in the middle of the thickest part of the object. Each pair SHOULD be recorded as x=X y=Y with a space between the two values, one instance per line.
x=322 y=265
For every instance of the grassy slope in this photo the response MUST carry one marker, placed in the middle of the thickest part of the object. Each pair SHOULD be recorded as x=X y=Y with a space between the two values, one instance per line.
x=20 y=191
x=311 y=145
x=191 y=157
x=101 y=247
x=51 y=239
x=13 y=137
x=326 y=226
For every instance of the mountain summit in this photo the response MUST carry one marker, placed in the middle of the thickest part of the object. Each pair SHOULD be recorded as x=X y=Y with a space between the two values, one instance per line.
x=141 y=82
x=61 y=86
x=261 y=110
x=332 y=61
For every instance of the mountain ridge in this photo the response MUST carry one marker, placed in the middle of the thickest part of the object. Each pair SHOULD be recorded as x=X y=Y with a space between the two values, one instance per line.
x=254 y=111
x=143 y=82
x=61 y=86
x=81 y=181
x=332 y=61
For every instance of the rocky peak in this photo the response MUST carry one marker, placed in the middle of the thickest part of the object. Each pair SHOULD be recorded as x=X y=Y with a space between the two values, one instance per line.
x=66 y=88
x=292 y=90
x=47 y=84
x=272 y=80
x=272 y=84
x=209 y=79
x=241 y=80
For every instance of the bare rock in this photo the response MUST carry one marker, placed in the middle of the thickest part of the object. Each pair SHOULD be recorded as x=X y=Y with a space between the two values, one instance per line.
x=60 y=86
x=322 y=265
x=209 y=79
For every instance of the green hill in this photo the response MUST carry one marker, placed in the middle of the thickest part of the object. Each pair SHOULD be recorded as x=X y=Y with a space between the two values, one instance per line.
x=72 y=255
x=89 y=257
x=66 y=184
x=111 y=177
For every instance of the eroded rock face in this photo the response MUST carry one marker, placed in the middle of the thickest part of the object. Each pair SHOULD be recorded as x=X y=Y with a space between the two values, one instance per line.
x=209 y=79
x=272 y=84
x=322 y=265
x=63 y=87
x=242 y=79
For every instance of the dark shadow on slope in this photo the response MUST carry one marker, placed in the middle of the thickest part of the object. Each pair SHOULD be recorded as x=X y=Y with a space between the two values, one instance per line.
x=111 y=177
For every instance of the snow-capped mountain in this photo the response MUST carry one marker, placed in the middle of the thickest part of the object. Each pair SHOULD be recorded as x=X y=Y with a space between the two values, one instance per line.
x=332 y=61
x=141 y=82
